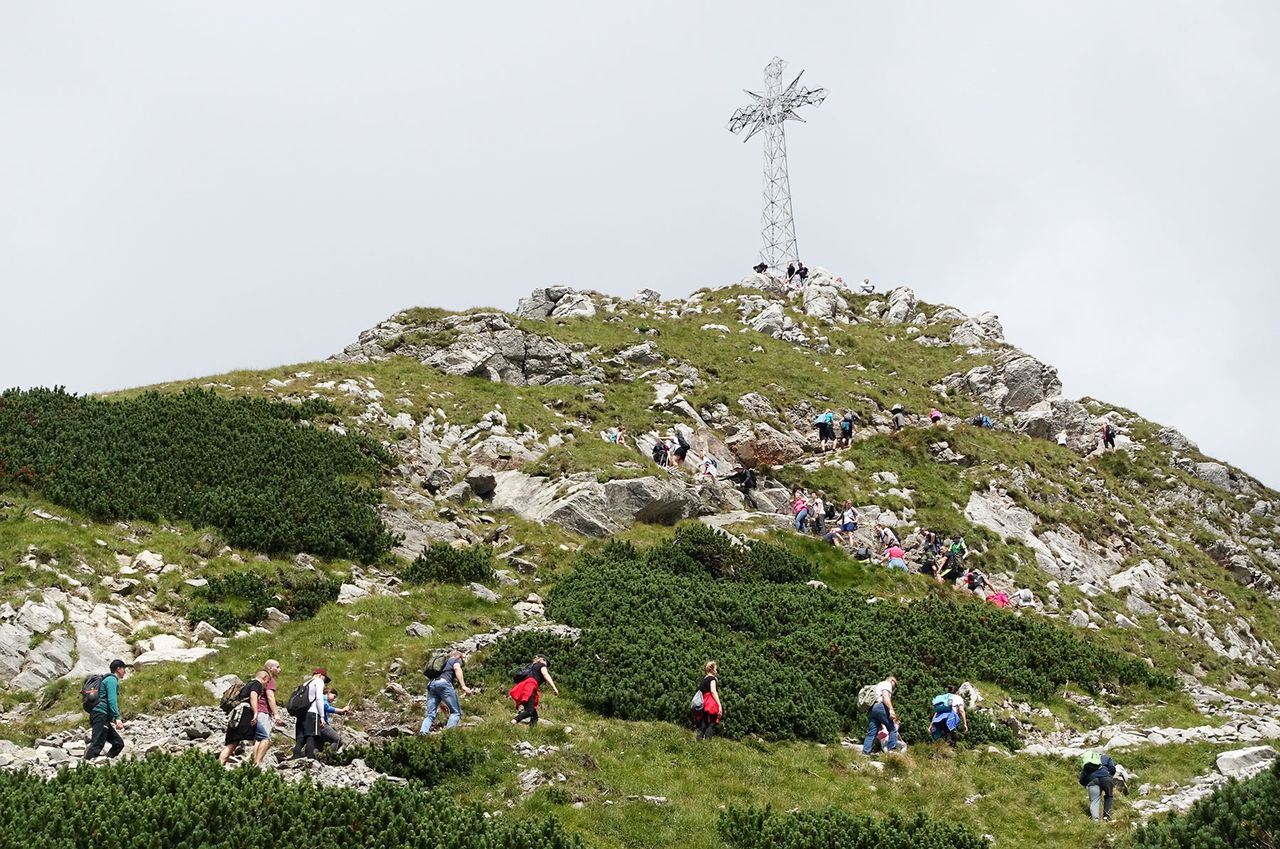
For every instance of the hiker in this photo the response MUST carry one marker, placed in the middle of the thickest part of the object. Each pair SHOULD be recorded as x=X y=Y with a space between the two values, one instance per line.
x=1097 y=775
x=846 y=429
x=800 y=506
x=1108 y=436
x=329 y=734
x=952 y=566
x=681 y=450
x=932 y=544
x=899 y=420
x=867 y=286
x=886 y=537
x=104 y=717
x=829 y=429
x=935 y=416
x=1062 y=438
x=818 y=514
x=802 y=270
x=895 y=558
x=882 y=716
x=743 y=478
x=710 y=468
x=441 y=689
x=791 y=271
x=526 y=694
x=661 y=452
x=256 y=719
x=948 y=712
x=848 y=522
x=706 y=709
x=976 y=582
x=760 y=268
x=310 y=724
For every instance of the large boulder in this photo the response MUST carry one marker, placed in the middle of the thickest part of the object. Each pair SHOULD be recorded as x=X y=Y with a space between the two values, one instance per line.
x=771 y=320
x=902 y=305
x=821 y=296
x=582 y=504
x=1216 y=474
x=1053 y=416
x=1173 y=438
x=1245 y=763
x=1017 y=384
x=762 y=444
x=973 y=331
x=488 y=345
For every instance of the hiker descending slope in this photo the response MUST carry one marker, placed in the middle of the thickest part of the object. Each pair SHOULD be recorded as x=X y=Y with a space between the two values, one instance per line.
x=948 y=713
x=101 y=696
x=306 y=705
x=527 y=691
x=706 y=709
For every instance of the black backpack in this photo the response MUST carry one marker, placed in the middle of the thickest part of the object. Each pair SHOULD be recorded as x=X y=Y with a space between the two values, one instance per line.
x=298 y=702
x=522 y=673
x=89 y=692
x=434 y=667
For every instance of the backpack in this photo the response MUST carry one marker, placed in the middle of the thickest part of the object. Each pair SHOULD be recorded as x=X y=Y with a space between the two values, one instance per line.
x=522 y=673
x=89 y=692
x=820 y=419
x=1111 y=432
x=659 y=452
x=298 y=701
x=867 y=696
x=434 y=667
x=862 y=554
x=231 y=697
x=696 y=702
x=942 y=704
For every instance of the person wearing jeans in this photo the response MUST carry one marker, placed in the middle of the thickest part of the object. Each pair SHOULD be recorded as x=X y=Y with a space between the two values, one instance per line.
x=882 y=715
x=441 y=689
x=1097 y=775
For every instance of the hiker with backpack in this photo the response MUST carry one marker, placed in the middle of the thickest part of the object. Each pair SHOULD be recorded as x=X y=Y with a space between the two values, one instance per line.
x=251 y=713
x=948 y=712
x=441 y=689
x=1108 y=436
x=848 y=522
x=100 y=696
x=846 y=430
x=895 y=558
x=818 y=514
x=661 y=452
x=882 y=719
x=1097 y=775
x=706 y=709
x=306 y=706
x=329 y=735
x=527 y=693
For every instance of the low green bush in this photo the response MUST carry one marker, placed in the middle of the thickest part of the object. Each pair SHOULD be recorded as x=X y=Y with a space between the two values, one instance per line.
x=792 y=658
x=242 y=597
x=760 y=828
x=425 y=760
x=442 y=563
x=241 y=465
x=189 y=800
x=1239 y=815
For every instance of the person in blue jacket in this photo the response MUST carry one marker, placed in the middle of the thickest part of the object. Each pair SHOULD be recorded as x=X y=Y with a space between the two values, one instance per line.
x=104 y=719
x=1097 y=775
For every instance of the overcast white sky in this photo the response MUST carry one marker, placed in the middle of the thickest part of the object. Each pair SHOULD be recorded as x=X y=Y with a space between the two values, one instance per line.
x=187 y=188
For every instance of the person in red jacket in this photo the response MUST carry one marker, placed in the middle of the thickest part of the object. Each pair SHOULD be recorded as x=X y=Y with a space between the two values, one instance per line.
x=706 y=719
x=526 y=693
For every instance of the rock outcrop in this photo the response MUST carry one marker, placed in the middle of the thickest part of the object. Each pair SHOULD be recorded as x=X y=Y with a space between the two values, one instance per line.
x=584 y=505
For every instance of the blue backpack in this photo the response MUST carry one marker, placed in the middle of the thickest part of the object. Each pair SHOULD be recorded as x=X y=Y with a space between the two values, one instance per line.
x=942 y=704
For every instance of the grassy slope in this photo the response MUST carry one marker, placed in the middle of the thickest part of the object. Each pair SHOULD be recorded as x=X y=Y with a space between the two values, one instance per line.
x=1024 y=801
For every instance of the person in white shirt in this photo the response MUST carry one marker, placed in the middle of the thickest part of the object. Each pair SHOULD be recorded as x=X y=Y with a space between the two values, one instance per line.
x=882 y=715
x=308 y=726
x=948 y=712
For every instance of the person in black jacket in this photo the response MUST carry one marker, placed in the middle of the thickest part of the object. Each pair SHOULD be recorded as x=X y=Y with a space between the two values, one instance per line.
x=1097 y=775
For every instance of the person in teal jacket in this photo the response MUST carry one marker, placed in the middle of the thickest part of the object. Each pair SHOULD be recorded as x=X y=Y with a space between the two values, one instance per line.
x=105 y=719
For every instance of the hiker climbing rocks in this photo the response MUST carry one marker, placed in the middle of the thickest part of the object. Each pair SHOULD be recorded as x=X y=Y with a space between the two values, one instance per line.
x=527 y=694
x=102 y=698
x=743 y=478
x=886 y=537
x=706 y=708
x=882 y=718
x=895 y=558
x=661 y=452
x=311 y=719
x=899 y=420
x=976 y=582
x=1108 y=436
x=935 y=416
x=848 y=522
x=846 y=429
x=681 y=449
x=948 y=713
x=983 y=421
x=709 y=468
x=1097 y=775
x=818 y=513
x=329 y=735
x=441 y=689
x=800 y=507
